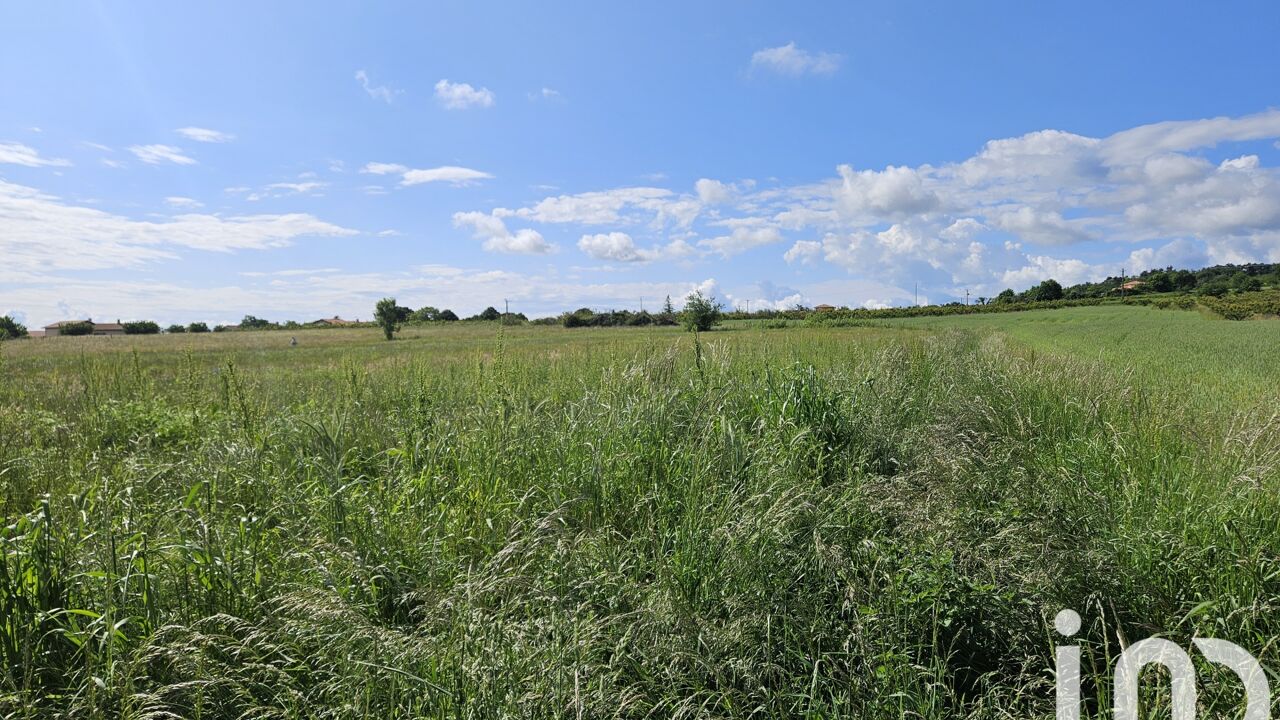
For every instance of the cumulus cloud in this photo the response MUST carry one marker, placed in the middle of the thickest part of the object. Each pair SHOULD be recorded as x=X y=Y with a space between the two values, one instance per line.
x=183 y=202
x=803 y=252
x=713 y=192
x=377 y=92
x=791 y=60
x=205 y=135
x=620 y=247
x=461 y=96
x=894 y=192
x=497 y=238
x=19 y=154
x=157 y=154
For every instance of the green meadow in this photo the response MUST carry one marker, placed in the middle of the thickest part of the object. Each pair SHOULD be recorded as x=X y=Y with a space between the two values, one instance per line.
x=476 y=521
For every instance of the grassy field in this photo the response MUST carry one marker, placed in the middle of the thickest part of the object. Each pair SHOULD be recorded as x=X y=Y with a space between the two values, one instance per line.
x=475 y=521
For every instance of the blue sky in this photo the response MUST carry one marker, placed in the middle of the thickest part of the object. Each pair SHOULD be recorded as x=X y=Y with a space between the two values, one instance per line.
x=296 y=160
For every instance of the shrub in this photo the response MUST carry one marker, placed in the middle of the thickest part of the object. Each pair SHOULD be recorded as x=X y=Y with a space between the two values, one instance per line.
x=198 y=327
x=489 y=313
x=448 y=315
x=81 y=327
x=141 y=327
x=176 y=329
x=640 y=319
x=700 y=312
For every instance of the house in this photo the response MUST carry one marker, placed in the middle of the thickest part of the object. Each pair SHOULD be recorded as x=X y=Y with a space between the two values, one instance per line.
x=334 y=321
x=98 y=328
x=824 y=308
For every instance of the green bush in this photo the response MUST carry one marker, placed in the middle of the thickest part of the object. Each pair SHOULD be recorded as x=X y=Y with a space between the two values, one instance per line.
x=700 y=313
x=81 y=327
x=141 y=327
x=198 y=327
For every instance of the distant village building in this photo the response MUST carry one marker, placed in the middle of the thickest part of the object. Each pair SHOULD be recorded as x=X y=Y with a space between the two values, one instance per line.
x=1133 y=285
x=334 y=321
x=824 y=308
x=98 y=328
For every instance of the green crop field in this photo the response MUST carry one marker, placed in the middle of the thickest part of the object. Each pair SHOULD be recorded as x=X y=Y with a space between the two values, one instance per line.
x=484 y=521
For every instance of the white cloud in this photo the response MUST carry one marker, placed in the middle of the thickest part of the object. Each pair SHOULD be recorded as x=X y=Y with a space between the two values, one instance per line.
x=612 y=207
x=156 y=154
x=44 y=233
x=1182 y=135
x=1045 y=227
x=183 y=202
x=620 y=247
x=791 y=60
x=205 y=135
x=448 y=173
x=284 y=189
x=803 y=252
x=460 y=96
x=19 y=154
x=713 y=192
x=742 y=239
x=451 y=174
x=546 y=94
x=497 y=238
x=377 y=92
x=378 y=168
x=610 y=246
x=894 y=192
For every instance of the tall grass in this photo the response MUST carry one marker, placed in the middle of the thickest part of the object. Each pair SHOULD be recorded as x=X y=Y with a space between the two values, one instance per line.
x=608 y=523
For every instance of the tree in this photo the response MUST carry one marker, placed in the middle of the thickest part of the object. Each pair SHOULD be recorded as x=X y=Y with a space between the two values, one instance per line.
x=387 y=314
x=175 y=328
x=490 y=313
x=700 y=312
x=11 y=329
x=254 y=323
x=448 y=315
x=141 y=327
x=1160 y=281
x=1005 y=296
x=198 y=327
x=426 y=314
x=1048 y=290
x=1241 y=282
x=668 y=314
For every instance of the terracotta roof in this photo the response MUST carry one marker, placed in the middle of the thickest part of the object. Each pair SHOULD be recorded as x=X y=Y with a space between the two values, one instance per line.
x=60 y=323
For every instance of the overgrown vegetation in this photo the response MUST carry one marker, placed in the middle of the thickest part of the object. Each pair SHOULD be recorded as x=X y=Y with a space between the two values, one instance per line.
x=11 y=329
x=529 y=522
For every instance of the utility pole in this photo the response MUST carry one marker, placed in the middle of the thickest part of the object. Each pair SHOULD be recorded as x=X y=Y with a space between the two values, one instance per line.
x=917 y=298
x=1122 y=288
x=506 y=306
x=966 y=297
